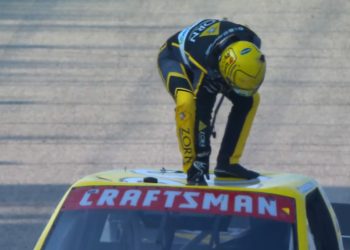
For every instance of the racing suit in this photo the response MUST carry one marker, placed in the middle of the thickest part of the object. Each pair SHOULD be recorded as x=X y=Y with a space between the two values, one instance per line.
x=188 y=65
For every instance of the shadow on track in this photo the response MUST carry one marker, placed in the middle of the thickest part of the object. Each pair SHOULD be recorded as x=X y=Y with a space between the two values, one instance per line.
x=24 y=211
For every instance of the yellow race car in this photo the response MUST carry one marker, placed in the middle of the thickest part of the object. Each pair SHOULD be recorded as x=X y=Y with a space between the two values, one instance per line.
x=155 y=209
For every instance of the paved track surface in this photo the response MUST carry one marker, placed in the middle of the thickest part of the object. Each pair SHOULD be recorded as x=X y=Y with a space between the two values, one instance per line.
x=80 y=93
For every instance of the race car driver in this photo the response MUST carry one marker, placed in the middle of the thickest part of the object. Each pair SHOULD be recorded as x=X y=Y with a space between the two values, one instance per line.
x=209 y=57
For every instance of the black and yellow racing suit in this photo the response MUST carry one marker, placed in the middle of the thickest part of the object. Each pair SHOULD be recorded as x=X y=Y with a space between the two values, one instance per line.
x=188 y=64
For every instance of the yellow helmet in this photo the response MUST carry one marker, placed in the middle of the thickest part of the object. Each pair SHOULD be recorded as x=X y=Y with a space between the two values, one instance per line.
x=243 y=67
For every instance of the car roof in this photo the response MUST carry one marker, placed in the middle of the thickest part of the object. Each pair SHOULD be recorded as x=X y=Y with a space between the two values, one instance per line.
x=293 y=185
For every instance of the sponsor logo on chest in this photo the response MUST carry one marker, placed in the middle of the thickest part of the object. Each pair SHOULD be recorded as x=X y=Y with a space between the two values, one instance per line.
x=197 y=30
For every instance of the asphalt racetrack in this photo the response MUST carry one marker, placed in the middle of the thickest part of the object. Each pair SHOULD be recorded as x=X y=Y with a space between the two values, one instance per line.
x=80 y=93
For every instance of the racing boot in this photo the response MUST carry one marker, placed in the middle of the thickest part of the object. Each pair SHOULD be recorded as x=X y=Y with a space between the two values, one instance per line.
x=235 y=171
x=197 y=173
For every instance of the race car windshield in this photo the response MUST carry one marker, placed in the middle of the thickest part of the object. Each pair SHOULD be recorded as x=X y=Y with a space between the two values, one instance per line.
x=168 y=227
